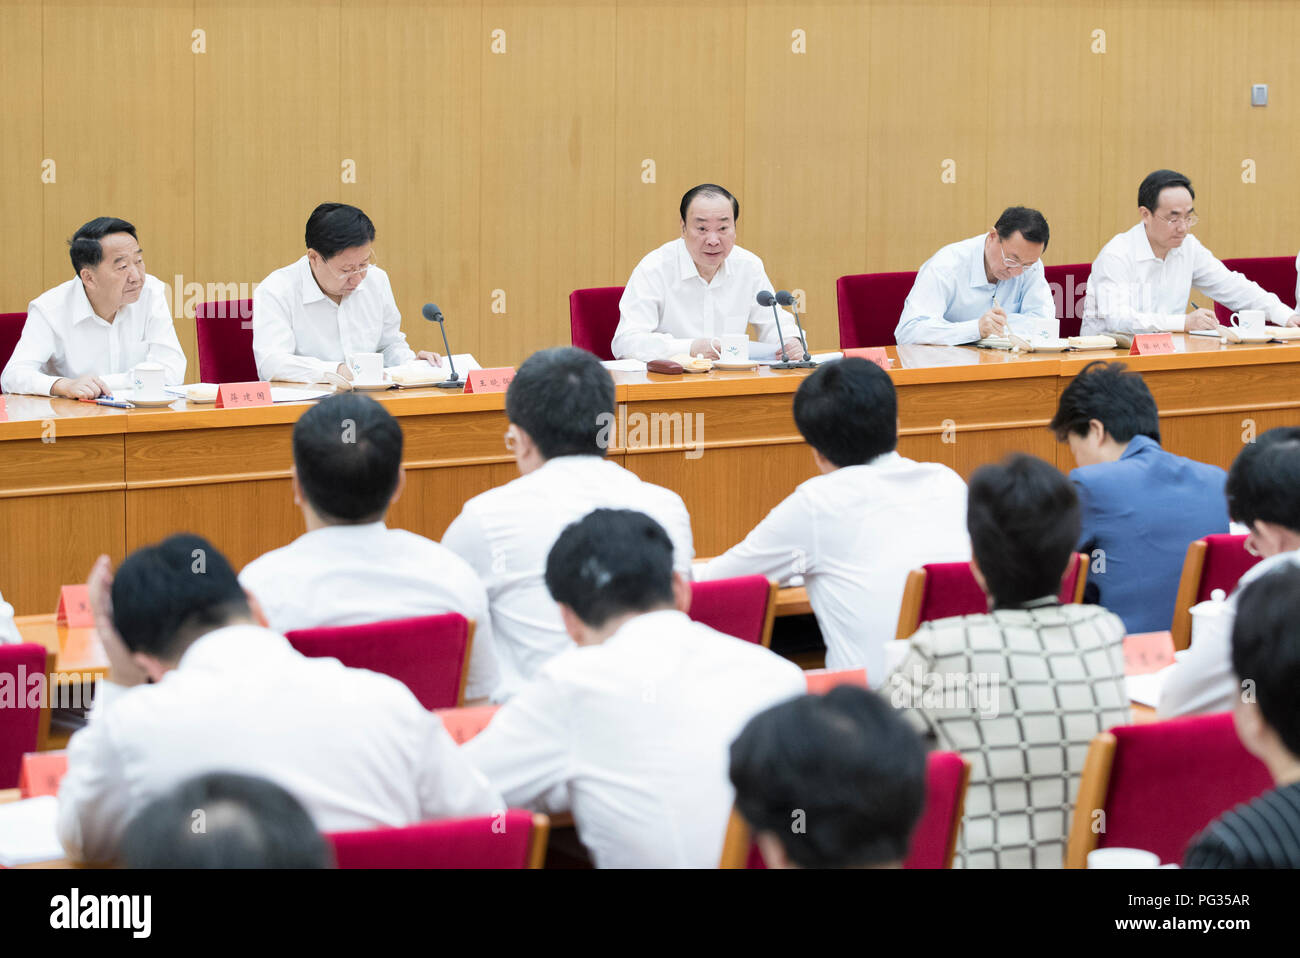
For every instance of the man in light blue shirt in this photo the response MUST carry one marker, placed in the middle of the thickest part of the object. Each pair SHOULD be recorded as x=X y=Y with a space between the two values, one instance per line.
x=981 y=286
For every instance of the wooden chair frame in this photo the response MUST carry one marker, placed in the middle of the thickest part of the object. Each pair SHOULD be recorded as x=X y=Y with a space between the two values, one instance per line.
x=1189 y=584
x=1093 y=786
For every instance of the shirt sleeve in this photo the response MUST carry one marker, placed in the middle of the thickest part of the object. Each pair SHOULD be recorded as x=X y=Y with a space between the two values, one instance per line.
x=163 y=347
x=484 y=674
x=8 y=631
x=449 y=786
x=36 y=346
x=923 y=318
x=392 y=342
x=465 y=538
x=1233 y=290
x=1209 y=851
x=274 y=344
x=779 y=547
x=1201 y=680
x=1113 y=289
x=640 y=311
x=1036 y=301
x=93 y=796
x=901 y=688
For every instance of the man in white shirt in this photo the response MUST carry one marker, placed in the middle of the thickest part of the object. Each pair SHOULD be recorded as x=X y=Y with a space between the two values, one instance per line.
x=855 y=531
x=980 y=287
x=309 y=317
x=1261 y=491
x=225 y=693
x=630 y=730
x=8 y=631
x=83 y=337
x=1142 y=279
x=349 y=568
x=687 y=293
x=561 y=407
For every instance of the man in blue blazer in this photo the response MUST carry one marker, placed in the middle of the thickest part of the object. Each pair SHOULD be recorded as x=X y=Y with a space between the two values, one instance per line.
x=1141 y=506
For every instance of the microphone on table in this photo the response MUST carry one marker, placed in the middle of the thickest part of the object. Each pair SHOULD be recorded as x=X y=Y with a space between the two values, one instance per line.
x=786 y=299
x=434 y=315
x=765 y=298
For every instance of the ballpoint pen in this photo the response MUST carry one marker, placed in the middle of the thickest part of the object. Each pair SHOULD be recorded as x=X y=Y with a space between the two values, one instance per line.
x=115 y=403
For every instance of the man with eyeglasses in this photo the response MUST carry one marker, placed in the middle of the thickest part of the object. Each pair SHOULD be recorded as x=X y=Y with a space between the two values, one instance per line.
x=83 y=337
x=1142 y=278
x=310 y=316
x=982 y=287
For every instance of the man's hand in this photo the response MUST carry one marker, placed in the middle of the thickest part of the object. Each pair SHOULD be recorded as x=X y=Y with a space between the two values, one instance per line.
x=703 y=347
x=83 y=387
x=993 y=323
x=1294 y=320
x=793 y=349
x=345 y=371
x=433 y=359
x=123 y=669
x=1201 y=319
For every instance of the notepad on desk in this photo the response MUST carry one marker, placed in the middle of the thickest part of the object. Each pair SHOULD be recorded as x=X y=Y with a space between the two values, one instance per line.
x=29 y=831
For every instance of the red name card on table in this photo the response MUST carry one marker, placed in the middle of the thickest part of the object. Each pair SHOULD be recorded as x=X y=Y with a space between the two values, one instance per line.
x=4 y=415
x=41 y=773
x=489 y=380
x=462 y=724
x=1152 y=344
x=1146 y=652
x=821 y=681
x=232 y=395
x=872 y=354
x=74 y=607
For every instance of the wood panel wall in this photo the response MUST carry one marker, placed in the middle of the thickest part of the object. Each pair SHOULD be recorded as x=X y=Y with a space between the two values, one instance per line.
x=499 y=181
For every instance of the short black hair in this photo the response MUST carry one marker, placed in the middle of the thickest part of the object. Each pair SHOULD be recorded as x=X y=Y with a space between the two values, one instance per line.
x=1264 y=480
x=167 y=595
x=1107 y=392
x=85 y=248
x=347 y=450
x=564 y=399
x=849 y=761
x=609 y=563
x=1149 y=191
x=848 y=411
x=1023 y=519
x=334 y=227
x=1266 y=649
x=710 y=189
x=1030 y=224
x=224 y=820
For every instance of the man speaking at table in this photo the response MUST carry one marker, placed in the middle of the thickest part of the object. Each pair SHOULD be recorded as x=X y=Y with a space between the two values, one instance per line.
x=686 y=293
x=82 y=338
x=310 y=316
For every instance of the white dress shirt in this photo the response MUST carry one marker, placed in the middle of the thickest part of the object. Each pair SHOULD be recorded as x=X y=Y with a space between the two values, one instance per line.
x=952 y=292
x=64 y=339
x=8 y=631
x=506 y=533
x=667 y=304
x=356 y=574
x=637 y=731
x=353 y=746
x=854 y=534
x=299 y=334
x=1130 y=290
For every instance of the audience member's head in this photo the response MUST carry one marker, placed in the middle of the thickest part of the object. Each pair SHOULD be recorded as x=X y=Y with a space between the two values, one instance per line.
x=347 y=458
x=1266 y=659
x=830 y=781
x=1101 y=410
x=609 y=566
x=224 y=820
x=1024 y=522
x=847 y=411
x=167 y=595
x=560 y=403
x=1264 y=491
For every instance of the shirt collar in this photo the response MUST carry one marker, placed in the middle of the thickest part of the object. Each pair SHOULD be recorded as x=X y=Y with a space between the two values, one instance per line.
x=1142 y=250
x=1138 y=444
x=346 y=530
x=233 y=646
x=979 y=278
x=81 y=308
x=311 y=291
x=686 y=267
x=651 y=623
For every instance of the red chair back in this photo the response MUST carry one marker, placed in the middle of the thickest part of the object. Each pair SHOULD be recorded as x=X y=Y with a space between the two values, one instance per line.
x=1069 y=283
x=593 y=318
x=1226 y=561
x=484 y=842
x=429 y=654
x=225 y=338
x=951 y=589
x=1276 y=274
x=744 y=607
x=19 y=725
x=11 y=330
x=935 y=840
x=870 y=305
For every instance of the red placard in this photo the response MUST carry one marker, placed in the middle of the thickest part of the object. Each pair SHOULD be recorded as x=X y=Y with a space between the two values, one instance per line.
x=872 y=354
x=41 y=773
x=821 y=681
x=1146 y=652
x=4 y=415
x=232 y=395
x=464 y=723
x=489 y=380
x=74 y=607
x=1152 y=344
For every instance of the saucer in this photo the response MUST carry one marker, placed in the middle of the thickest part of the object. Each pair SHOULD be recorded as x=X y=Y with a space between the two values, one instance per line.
x=371 y=387
x=740 y=364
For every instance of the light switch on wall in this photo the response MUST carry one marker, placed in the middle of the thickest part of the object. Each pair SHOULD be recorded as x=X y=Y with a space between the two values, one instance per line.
x=1259 y=94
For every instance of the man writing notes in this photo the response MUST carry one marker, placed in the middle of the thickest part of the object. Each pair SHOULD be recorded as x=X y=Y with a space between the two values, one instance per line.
x=983 y=286
x=686 y=293
x=310 y=316
x=1142 y=279
x=83 y=338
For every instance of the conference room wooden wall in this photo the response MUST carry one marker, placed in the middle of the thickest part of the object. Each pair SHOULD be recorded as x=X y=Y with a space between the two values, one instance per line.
x=506 y=179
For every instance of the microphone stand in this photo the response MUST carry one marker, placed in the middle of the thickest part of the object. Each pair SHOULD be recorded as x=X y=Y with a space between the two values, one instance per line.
x=785 y=299
x=453 y=381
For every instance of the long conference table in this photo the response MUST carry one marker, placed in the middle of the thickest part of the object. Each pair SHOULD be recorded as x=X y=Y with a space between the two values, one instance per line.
x=78 y=480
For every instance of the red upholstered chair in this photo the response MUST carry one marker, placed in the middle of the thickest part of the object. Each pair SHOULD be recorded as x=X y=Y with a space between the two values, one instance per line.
x=455 y=843
x=225 y=339
x=940 y=590
x=19 y=725
x=1215 y=562
x=11 y=330
x=1275 y=273
x=429 y=654
x=593 y=318
x=933 y=843
x=1068 y=284
x=869 y=307
x=744 y=607
x=1159 y=784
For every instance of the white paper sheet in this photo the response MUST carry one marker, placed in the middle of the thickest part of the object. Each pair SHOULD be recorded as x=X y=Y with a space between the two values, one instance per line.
x=624 y=365
x=29 y=831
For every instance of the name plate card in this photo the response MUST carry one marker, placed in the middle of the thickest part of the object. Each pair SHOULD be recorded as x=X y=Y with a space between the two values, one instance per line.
x=1152 y=344
x=872 y=354
x=821 y=681
x=41 y=773
x=4 y=415
x=489 y=380
x=74 y=607
x=1146 y=652
x=238 y=395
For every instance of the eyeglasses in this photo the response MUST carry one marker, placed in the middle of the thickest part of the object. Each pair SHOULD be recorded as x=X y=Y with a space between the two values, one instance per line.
x=354 y=271
x=1012 y=263
x=1190 y=220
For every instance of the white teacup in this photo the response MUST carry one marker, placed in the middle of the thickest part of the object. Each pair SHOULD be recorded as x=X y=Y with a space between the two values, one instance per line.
x=367 y=367
x=1248 y=320
x=732 y=348
x=1122 y=858
x=149 y=381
